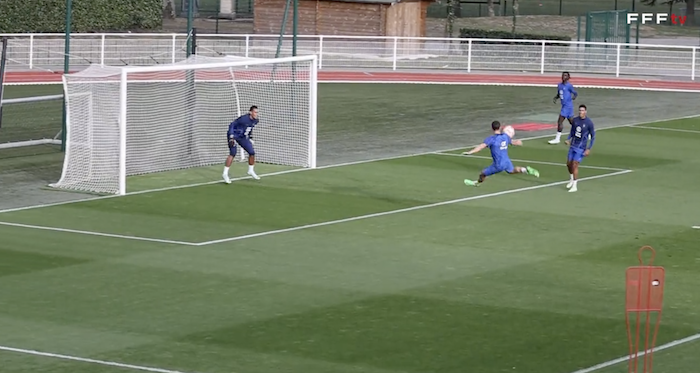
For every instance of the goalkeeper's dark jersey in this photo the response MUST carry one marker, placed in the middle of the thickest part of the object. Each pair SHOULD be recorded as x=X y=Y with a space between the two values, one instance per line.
x=241 y=127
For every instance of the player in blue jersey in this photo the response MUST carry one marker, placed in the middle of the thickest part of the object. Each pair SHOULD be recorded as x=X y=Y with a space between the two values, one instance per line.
x=240 y=132
x=498 y=144
x=582 y=130
x=566 y=94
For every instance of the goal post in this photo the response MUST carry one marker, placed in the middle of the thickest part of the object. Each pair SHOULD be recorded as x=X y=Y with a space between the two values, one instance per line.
x=135 y=120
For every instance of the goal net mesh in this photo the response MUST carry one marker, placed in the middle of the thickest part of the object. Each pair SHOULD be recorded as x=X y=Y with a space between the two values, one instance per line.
x=177 y=119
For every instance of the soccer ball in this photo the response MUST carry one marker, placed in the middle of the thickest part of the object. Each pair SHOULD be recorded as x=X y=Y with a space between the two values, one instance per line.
x=510 y=131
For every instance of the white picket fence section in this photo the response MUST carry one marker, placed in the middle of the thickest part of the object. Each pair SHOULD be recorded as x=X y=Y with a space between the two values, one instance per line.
x=337 y=52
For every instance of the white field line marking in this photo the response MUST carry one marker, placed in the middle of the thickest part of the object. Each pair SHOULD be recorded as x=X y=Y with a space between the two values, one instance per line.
x=414 y=208
x=91 y=233
x=530 y=161
x=667 y=129
x=696 y=227
x=307 y=169
x=86 y=360
x=236 y=238
x=641 y=353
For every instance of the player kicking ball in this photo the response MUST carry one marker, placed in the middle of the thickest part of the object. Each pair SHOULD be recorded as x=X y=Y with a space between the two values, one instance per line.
x=240 y=132
x=498 y=144
x=567 y=94
x=581 y=130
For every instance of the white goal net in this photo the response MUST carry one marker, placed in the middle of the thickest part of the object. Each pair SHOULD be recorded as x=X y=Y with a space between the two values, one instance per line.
x=125 y=121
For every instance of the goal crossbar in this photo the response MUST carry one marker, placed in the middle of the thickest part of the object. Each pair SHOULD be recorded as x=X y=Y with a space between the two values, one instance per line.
x=181 y=66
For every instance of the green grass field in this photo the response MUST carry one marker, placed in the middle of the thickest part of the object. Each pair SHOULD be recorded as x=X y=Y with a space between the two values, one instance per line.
x=379 y=266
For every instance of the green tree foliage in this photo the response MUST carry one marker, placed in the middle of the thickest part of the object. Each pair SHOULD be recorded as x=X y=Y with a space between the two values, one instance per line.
x=88 y=15
x=689 y=4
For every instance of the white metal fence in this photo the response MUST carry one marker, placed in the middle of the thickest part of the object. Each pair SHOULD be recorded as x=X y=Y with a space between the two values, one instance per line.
x=46 y=51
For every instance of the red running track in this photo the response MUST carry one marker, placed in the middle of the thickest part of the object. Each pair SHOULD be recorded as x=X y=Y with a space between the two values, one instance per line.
x=435 y=77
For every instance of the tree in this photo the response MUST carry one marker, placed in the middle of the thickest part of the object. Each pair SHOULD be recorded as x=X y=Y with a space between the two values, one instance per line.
x=515 y=14
x=689 y=7
x=451 y=15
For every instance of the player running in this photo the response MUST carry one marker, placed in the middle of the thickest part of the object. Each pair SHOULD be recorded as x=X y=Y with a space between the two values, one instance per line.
x=241 y=131
x=498 y=144
x=567 y=94
x=581 y=130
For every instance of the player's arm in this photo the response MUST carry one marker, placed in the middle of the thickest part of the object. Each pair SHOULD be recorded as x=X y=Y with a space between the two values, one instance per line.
x=556 y=97
x=574 y=94
x=591 y=129
x=477 y=149
x=230 y=133
x=571 y=134
x=517 y=142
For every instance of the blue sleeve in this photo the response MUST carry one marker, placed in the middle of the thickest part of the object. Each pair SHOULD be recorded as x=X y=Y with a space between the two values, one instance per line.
x=231 y=127
x=591 y=129
x=573 y=90
x=487 y=141
x=571 y=131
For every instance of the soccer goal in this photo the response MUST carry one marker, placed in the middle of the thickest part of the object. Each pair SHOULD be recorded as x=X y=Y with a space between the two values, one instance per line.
x=124 y=121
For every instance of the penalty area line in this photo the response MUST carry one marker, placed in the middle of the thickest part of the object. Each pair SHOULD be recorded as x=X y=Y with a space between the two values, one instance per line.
x=666 y=129
x=344 y=164
x=91 y=233
x=408 y=209
x=87 y=360
x=641 y=353
x=531 y=161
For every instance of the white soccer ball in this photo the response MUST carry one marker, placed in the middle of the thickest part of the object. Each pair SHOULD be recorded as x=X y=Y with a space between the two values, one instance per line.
x=510 y=131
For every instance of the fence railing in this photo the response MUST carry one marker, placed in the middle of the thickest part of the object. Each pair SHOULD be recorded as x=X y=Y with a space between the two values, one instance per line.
x=337 y=52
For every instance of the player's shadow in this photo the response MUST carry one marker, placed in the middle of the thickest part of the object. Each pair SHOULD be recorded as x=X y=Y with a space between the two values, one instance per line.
x=359 y=187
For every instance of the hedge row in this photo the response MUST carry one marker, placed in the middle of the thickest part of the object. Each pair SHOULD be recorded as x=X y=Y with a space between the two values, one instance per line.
x=88 y=15
x=494 y=34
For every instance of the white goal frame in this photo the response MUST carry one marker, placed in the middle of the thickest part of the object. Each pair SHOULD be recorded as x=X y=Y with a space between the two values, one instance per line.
x=125 y=73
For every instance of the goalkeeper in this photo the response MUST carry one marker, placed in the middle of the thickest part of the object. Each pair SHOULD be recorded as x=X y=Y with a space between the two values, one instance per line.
x=240 y=132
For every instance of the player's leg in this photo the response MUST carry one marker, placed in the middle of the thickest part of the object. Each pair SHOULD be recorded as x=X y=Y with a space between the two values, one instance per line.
x=247 y=145
x=565 y=113
x=570 y=166
x=560 y=128
x=231 y=155
x=525 y=170
x=521 y=170
x=575 y=157
x=574 y=171
x=488 y=171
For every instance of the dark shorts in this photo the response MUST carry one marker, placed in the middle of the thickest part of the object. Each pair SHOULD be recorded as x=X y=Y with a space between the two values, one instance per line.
x=244 y=142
